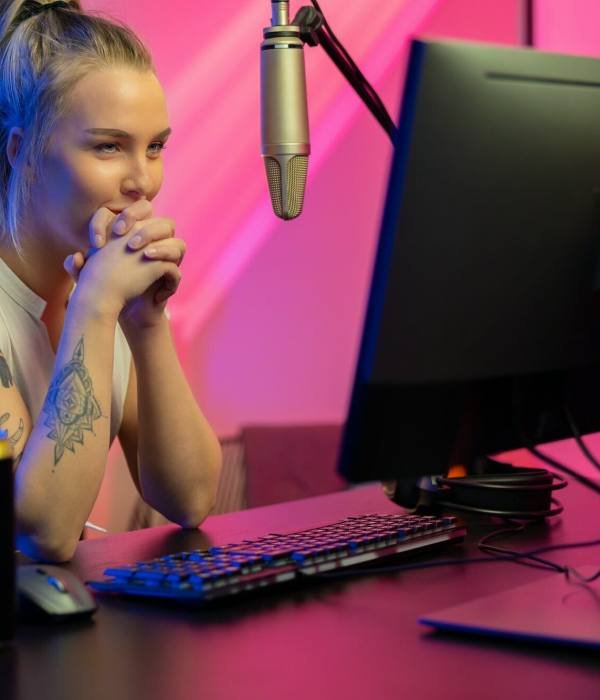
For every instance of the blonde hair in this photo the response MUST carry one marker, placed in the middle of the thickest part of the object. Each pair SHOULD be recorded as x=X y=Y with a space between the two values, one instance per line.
x=42 y=56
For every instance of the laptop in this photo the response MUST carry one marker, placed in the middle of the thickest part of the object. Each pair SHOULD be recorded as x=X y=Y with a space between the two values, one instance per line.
x=550 y=610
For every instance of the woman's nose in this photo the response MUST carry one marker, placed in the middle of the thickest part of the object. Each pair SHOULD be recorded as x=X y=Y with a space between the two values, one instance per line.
x=137 y=181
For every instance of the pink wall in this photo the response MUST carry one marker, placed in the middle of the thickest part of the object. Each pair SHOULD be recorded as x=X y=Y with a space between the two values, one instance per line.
x=568 y=27
x=268 y=315
x=280 y=345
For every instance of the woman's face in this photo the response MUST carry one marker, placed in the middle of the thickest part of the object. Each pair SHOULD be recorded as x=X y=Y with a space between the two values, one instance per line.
x=105 y=151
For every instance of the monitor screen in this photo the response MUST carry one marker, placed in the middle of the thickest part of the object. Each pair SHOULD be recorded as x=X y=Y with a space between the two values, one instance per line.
x=483 y=317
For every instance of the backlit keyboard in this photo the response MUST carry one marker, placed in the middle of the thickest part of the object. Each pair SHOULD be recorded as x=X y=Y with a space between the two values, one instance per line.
x=203 y=575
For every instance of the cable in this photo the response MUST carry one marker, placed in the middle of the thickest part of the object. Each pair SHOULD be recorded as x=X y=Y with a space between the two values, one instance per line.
x=342 y=59
x=518 y=427
x=578 y=437
x=569 y=572
x=347 y=57
x=380 y=114
x=334 y=37
x=562 y=467
x=501 y=556
x=581 y=579
x=520 y=558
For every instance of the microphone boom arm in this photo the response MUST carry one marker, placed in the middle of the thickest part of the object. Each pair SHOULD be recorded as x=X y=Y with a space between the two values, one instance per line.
x=314 y=31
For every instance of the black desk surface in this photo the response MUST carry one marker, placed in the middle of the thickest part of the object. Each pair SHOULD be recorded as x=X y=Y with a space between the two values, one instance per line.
x=351 y=638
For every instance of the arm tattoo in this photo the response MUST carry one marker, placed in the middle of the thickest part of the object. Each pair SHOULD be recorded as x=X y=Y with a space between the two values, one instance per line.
x=16 y=436
x=71 y=406
x=5 y=375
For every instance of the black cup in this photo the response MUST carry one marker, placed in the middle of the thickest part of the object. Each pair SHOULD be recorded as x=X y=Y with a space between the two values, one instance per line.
x=7 y=546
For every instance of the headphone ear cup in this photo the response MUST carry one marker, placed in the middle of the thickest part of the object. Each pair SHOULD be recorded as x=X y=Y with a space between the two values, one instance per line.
x=522 y=493
x=416 y=495
x=407 y=493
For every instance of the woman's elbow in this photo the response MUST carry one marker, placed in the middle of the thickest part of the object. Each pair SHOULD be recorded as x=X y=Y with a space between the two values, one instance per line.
x=196 y=513
x=203 y=503
x=48 y=549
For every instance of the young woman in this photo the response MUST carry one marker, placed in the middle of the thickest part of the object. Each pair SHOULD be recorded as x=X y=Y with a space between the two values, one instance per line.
x=83 y=123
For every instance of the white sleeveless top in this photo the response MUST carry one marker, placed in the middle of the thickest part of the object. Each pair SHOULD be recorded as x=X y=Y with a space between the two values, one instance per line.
x=25 y=344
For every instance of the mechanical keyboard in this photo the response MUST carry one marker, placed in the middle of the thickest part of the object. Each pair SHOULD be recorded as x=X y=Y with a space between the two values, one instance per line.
x=201 y=576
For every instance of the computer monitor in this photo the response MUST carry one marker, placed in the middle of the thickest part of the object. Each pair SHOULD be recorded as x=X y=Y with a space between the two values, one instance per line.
x=483 y=317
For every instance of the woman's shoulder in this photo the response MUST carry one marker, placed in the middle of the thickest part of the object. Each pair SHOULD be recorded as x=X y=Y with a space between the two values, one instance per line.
x=4 y=328
x=10 y=321
x=6 y=355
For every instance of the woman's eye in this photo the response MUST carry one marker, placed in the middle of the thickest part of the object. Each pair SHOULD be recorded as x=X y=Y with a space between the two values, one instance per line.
x=156 y=147
x=106 y=148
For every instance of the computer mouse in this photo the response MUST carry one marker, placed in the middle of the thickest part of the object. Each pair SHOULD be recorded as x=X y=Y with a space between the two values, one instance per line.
x=51 y=593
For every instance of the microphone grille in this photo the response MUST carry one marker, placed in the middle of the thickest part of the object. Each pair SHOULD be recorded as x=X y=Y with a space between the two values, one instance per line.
x=286 y=177
x=296 y=180
x=274 y=180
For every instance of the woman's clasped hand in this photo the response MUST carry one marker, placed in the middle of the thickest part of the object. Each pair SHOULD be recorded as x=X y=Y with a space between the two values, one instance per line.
x=132 y=263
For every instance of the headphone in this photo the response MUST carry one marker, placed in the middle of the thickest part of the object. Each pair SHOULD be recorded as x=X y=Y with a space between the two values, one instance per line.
x=498 y=489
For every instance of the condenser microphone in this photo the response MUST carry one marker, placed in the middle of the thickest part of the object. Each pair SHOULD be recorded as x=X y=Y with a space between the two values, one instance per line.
x=285 y=144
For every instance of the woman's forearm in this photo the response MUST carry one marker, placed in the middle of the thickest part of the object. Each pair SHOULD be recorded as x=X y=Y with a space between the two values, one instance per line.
x=179 y=455
x=61 y=468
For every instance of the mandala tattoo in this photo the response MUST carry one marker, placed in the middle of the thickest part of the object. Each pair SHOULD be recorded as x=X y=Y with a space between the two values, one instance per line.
x=71 y=406
x=16 y=436
x=5 y=375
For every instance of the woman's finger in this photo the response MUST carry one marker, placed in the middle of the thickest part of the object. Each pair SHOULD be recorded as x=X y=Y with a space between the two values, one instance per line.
x=68 y=264
x=73 y=264
x=153 y=230
x=171 y=250
x=169 y=284
x=107 y=221
x=99 y=227
x=125 y=219
x=79 y=259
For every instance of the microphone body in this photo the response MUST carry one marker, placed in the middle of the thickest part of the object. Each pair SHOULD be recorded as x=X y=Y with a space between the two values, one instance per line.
x=285 y=143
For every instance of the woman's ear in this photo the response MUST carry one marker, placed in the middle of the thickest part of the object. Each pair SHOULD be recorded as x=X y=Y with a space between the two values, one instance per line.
x=13 y=144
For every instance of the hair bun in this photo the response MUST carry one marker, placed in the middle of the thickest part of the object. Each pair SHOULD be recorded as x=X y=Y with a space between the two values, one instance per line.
x=31 y=8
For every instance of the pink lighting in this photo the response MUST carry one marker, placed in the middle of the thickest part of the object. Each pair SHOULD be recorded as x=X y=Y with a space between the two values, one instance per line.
x=237 y=290
x=332 y=111
x=268 y=315
x=572 y=27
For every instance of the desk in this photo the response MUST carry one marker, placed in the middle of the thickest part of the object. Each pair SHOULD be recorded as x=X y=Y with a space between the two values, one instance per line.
x=346 y=639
